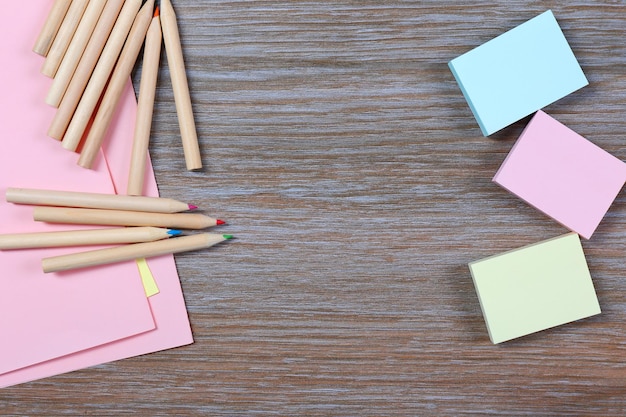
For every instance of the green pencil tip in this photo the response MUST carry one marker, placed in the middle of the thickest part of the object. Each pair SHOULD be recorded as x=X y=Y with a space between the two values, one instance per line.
x=228 y=237
x=174 y=232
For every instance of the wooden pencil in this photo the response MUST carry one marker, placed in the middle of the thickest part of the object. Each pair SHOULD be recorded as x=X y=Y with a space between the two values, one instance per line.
x=85 y=237
x=182 y=99
x=77 y=199
x=74 y=52
x=64 y=37
x=116 y=85
x=100 y=76
x=88 y=61
x=132 y=251
x=51 y=27
x=123 y=218
x=145 y=107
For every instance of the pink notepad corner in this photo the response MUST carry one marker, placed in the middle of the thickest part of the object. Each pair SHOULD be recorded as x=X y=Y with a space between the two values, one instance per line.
x=562 y=174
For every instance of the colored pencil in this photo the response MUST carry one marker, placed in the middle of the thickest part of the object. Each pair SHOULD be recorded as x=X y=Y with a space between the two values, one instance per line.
x=64 y=37
x=88 y=61
x=123 y=218
x=132 y=251
x=116 y=85
x=182 y=99
x=51 y=27
x=74 y=52
x=85 y=237
x=77 y=199
x=145 y=107
x=100 y=75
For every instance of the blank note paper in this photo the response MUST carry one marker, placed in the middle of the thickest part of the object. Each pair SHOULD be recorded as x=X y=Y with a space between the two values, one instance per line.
x=562 y=174
x=518 y=73
x=534 y=288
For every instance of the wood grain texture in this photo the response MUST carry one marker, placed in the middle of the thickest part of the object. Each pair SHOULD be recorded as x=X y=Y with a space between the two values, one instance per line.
x=339 y=148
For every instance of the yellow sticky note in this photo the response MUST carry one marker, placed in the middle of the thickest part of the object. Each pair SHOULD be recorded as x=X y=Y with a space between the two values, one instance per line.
x=534 y=288
x=149 y=283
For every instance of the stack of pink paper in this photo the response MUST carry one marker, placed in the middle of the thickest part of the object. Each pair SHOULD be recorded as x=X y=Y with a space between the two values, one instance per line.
x=56 y=323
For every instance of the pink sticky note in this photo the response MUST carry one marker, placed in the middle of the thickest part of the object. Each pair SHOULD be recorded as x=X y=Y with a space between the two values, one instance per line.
x=167 y=308
x=45 y=316
x=562 y=174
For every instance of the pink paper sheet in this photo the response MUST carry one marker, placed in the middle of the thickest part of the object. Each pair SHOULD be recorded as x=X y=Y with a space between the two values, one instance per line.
x=54 y=167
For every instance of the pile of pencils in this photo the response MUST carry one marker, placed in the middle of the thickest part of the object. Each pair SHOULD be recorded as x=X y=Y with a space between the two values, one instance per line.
x=91 y=47
x=144 y=226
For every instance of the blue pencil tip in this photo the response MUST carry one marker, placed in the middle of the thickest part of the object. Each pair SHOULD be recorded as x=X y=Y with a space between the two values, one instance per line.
x=174 y=232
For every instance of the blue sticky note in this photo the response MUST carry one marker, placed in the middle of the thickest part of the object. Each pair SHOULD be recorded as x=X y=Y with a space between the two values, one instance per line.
x=518 y=73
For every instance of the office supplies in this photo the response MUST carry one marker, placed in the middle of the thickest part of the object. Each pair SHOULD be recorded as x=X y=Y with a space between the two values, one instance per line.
x=123 y=218
x=116 y=84
x=562 y=174
x=130 y=252
x=145 y=106
x=534 y=288
x=77 y=83
x=74 y=52
x=41 y=197
x=518 y=73
x=84 y=237
x=64 y=37
x=100 y=76
x=51 y=27
x=182 y=99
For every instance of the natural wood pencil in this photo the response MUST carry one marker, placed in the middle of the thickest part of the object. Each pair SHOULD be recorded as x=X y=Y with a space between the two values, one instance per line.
x=87 y=63
x=130 y=252
x=74 y=52
x=123 y=218
x=51 y=27
x=64 y=37
x=100 y=75
x=145 y=107
x=115 y=87
x=77 y=199
x=182 y=99
x=85 y=237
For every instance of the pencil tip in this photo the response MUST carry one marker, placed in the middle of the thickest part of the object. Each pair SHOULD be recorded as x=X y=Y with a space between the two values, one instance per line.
x=156 y=12
x=174 y=232
x=227 y=237
x=192 y=207
x=220 y=222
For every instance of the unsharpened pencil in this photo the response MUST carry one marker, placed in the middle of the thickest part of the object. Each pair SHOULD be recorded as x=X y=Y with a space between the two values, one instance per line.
x=64 y=37
x=182 y=99
x=132 y=251
x=88 y=61
x=77 y=199
x=85 y=237
x=115 y=87
x=123 y=218
x=74 y=52
x=145 y=107
x=51 y=27
x=100 y=75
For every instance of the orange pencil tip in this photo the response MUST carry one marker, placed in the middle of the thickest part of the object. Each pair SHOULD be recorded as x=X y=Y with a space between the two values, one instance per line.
x=156 y=12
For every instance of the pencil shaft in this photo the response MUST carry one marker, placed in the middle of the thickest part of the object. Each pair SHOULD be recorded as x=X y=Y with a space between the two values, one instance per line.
x=130 y=252
x=100 y=75
x=118 y=81
x=74 y=52
x=182 y=99
x=94 y=200
x=51 y=27
x=122 y=218
x=64 y=37
x=85 y=68
x=145 y=107
x=83 y=237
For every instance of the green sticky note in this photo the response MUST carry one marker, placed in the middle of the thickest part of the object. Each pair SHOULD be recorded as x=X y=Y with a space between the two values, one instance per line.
x=534 y=288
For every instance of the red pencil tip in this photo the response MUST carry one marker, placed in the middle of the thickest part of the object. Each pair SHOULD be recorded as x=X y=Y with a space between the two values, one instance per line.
x=192 y=207
x=220 y=222
x=156 y=12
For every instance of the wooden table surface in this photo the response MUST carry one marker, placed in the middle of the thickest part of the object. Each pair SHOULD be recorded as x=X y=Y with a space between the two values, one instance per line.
x=341 y=152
